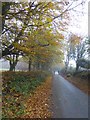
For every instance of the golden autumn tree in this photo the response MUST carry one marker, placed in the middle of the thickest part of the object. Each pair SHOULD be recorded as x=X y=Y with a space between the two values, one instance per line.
x=21 y=18
x=41 y=46
x=76 y=49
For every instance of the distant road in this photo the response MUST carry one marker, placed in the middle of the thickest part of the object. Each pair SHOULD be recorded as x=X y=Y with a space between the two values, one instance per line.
x=69 y=101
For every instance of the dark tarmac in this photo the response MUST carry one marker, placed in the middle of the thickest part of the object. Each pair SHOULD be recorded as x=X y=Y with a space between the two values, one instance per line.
x=69 y=101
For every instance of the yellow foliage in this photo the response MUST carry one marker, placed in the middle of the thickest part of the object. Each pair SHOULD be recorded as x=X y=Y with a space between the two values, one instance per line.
x=75 y=39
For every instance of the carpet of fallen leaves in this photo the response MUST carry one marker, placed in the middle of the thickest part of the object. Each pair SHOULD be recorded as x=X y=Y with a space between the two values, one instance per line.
x=26 y=94
x=38 y=105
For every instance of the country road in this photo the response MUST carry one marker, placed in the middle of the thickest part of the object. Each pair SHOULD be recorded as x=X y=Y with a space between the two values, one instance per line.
x=69 y=101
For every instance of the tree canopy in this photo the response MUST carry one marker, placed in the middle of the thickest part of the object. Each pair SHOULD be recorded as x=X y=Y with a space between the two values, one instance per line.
x=34 y=30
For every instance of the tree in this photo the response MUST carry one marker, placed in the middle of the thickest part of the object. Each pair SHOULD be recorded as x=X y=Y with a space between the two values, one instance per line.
x=77 y=49
x=84 y=63
x=70 y=44
x=28 y=15
x=88 y=45
x=40 y=47
x=22 y=14
x=21 y=19
x=80 y=53
x=18 y=26
x=12 y=58
x=5 y=9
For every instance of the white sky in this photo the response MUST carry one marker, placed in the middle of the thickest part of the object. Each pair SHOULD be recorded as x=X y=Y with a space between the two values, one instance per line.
x=79 y=22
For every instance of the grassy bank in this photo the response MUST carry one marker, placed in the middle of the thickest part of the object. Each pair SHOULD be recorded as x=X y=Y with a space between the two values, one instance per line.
x=17 y=87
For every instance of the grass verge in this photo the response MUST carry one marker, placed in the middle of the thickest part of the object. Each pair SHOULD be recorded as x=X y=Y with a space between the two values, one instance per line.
x=17 y=88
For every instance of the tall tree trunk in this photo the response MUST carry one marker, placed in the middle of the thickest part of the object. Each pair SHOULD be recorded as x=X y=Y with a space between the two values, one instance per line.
x=38 y=65
x=13 y=63
x=12 y=67
x=77 y=66
x=67 y=62
x=29 y=64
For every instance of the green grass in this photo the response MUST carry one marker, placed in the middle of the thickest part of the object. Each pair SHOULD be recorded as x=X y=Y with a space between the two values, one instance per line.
x=16 y=87
x=22 y=82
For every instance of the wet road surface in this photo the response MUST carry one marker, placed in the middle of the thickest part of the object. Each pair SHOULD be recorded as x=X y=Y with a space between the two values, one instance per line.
x=69 y=101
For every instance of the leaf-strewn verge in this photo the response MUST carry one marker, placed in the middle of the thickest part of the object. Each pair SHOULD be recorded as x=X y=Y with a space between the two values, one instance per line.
x=37 y=106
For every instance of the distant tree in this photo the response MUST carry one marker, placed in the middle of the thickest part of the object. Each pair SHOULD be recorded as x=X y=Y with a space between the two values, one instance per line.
x=70 y=47
x=76 y=50
x=80 y=52
x=84 y=63
x=88 y=46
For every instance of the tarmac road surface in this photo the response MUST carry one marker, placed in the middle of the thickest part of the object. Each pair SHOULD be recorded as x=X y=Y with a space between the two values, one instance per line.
x=69 y=101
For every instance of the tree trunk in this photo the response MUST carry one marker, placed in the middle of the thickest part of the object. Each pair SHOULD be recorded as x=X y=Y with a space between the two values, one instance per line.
x=13 y=63
x=77 y=66
x=67 y=62
x=38 y=66
x=29 y=66
x=12 y=67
